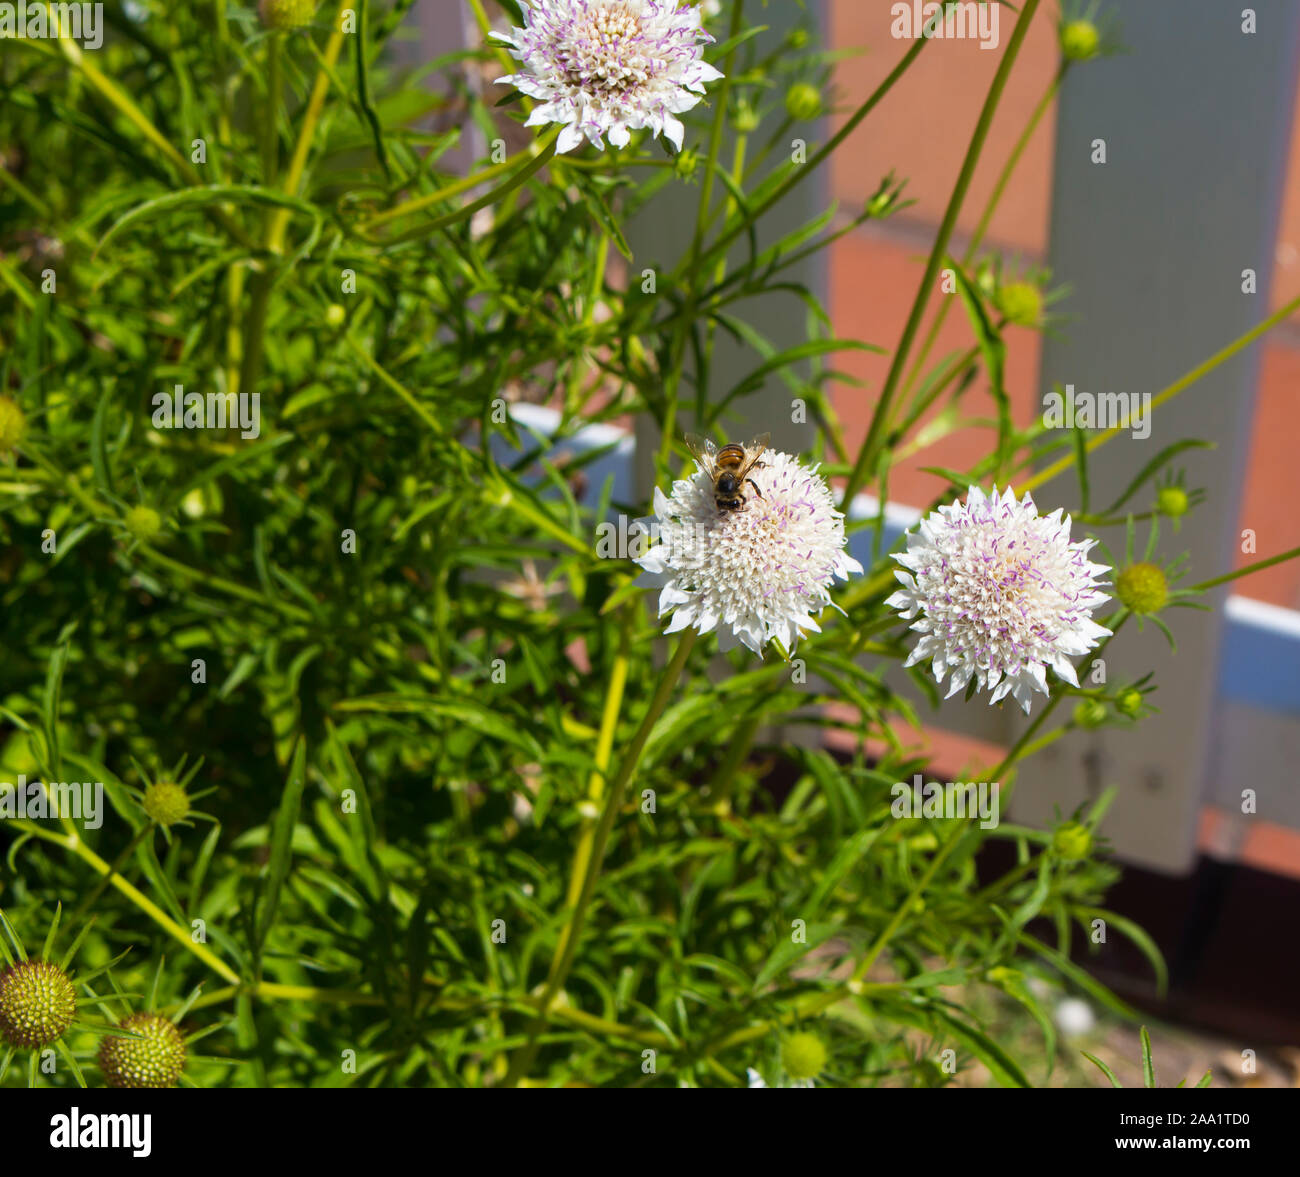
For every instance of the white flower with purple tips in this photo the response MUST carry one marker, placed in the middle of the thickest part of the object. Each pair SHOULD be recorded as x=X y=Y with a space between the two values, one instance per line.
x=754 y=574
x=1002 y=595
x=610 y=67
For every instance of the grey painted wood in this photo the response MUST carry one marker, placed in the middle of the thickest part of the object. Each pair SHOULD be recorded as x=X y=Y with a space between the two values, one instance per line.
x=1196 y=121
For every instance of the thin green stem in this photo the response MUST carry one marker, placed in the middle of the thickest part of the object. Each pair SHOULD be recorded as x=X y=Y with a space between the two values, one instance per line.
x=613 y=804
x=870 y=446
x=977 y=238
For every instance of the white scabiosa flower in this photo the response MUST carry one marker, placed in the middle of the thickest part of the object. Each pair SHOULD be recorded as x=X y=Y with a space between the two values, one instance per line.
x=755 y=573
x=1002 y=595
x=610 y=67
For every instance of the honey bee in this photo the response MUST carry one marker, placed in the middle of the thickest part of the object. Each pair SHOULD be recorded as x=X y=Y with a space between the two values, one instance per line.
x=729 y=468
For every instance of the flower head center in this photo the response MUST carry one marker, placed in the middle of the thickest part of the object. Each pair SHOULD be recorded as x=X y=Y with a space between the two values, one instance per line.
x=603 y=53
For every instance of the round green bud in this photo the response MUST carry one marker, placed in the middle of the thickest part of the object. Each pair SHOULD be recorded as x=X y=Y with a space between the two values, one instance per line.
x=143 y=523
x=166 y=803
x=335 y=314
x=797 y=39
x=1090 y=713
x=286 y=14
x=1172 y=501
x=37 y=1003
x=686 y=164
x=803 y=101
x=13 y=424
x=1129 y=702
x=746 y=119
x=1021 y=302
x=1143 y=588
x=154 y=1059
x=1072 y=841
x=1080 y=40
x=803 y=1056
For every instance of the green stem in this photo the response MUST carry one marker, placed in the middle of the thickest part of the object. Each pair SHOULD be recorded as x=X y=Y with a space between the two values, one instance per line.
x=560 y=967
x=517 y=180
x=143 y=902
x=995 y=198
x=1258 y=566
x=867 y=453
x=1180 y=385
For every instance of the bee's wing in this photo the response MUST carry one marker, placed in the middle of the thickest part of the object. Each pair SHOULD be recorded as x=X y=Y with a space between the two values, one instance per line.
x=704 y=449
x=754 y=451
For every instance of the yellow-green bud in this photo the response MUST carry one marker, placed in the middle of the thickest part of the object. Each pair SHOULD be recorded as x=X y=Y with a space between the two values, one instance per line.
x=154 y=1059
x=1143 y=588
x=1172 y=501
x=13 y=424
x=286 y=14
x=1090 y=713
x=797 y=39
x=1129 y=702
x=1080 y=40
x=143 y=523
x=1021 y=302
x=747 y=119
x=803 y=1056
x=37 y=1003
x=686 y=164
x=1072 y=841
x=166 y=803
x=335 y=314
x=803 y=101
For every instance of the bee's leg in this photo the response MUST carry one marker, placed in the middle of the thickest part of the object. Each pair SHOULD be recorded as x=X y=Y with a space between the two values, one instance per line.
x=755 y=486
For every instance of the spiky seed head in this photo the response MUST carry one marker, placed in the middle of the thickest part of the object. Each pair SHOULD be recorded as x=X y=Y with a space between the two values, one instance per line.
x=1129 y=702
x=37 y=1003
x=154 y=1059
x=13 y=424
x=1090 y=713
x=1021 y=302
x=803 y=101
x=1172 y=501
x=166 y=803
x=143 y=523
x=1072 y=841
x=803 y=1055
x=1080 y=40
x=1143 y=588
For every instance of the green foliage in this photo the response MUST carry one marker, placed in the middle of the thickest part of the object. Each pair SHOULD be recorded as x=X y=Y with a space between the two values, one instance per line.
x=382 y=623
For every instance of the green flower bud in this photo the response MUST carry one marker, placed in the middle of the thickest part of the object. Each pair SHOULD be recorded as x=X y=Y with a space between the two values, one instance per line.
x=37 y=1003
x=143 y=523
x=166 y=803
x=797 y=39
x=686 y=164
x=803 y=1056
x=154 y=1059
x=334 y=315
x=1021 y=302
x=13 y=424
x=1080 y=40
x=1072 y=841
x=1172 y=501
x=1143 y=588
x=286 y=14
x=803 y=101
x=1129 y=702
x=746 y=119
x=1090 y=713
